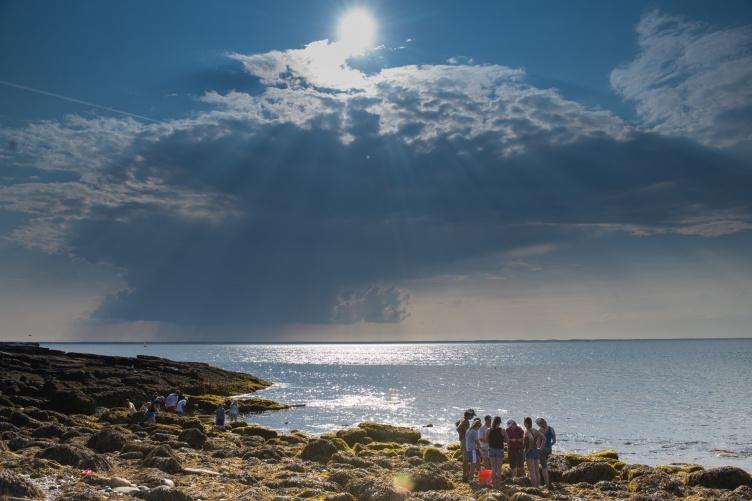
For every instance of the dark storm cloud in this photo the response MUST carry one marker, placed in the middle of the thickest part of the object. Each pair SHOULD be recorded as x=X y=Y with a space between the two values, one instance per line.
x=312 y=200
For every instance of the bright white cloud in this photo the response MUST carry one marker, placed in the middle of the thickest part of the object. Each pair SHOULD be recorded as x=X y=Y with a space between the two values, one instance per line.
x=691 y=80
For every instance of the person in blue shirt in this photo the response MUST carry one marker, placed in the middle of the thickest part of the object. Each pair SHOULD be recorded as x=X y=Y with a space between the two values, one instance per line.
x=220 y=417
x=550 y=435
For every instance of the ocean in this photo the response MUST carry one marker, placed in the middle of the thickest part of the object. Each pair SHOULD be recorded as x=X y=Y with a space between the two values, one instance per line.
x=655 y=402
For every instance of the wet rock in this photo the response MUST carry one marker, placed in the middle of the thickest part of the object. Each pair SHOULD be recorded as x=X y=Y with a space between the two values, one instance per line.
x=195 y=438
x=48 y=431
x=343 y=458
x=652 y=483
x=165 y=493
x=162 y=458
x=352 y=436
x=106 y=440
x=71 y=402
x=434 y=455
x=373 y=489
x=725 y=477
x=389 y=433
x=75 y=456
x=132 y=455
x=318 y=450
x=589 y=472
x=429 y=478
x=14 y=485
x=255 y=431
x=267 y=452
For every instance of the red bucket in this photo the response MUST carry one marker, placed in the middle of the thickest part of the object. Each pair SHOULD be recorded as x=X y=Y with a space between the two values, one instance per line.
x=485 y=477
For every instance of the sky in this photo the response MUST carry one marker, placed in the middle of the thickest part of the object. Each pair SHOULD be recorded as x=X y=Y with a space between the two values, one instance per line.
x=375 y=171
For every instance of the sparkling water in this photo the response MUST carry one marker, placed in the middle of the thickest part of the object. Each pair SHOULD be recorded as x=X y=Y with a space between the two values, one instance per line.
x=655 y=402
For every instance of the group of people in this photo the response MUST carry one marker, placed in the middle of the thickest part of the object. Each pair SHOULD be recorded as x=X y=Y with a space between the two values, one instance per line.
x=174 y=403
x=482 y=444
x=219 y=415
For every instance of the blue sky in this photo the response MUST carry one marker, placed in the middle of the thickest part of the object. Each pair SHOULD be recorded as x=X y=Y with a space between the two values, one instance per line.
x=493 y=170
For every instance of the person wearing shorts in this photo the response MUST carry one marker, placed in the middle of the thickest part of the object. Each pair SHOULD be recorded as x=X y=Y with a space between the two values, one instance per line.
x=550 y=435
x=472 y=445
x=496 y=449
x=462 y=426
x=533 y=440
x=483 y=439
x=514 y=447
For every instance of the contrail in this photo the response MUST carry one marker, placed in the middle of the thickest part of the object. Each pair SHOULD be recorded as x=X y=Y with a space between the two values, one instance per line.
x=74 y=100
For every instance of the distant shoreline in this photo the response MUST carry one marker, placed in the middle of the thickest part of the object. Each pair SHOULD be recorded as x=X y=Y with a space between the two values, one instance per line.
x=474 y=341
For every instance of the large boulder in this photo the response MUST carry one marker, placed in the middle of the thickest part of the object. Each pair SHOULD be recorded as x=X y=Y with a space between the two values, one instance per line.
x=255 y=431
x=390 y=433
x=16 y=486
x=353 y=436
x=725 y=477
x=589 y=472
x=106 y=440
x=318 y=450
x=48 y=431
x=75 y=456
x=193 y=437
x=434 y=455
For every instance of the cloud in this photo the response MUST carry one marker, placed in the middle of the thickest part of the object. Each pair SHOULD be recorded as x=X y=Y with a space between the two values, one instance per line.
x=690 y=79
x=372 y=304
x=313 y=200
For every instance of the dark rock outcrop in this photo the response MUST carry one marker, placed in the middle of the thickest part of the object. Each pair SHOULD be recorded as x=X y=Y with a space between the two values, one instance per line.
x=726 y=477
x=14 y=485
x=75 y=456
x=590 y=472
x=106 y=440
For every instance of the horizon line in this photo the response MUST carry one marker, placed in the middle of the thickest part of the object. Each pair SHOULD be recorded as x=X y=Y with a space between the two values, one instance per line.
x=452 y=341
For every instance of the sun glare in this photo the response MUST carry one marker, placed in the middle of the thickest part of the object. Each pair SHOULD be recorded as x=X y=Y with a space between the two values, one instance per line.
x=356 y=30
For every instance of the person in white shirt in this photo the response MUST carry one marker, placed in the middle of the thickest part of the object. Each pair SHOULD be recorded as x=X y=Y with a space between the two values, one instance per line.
x=483 y=439
x=171 y=401
x=131 y=407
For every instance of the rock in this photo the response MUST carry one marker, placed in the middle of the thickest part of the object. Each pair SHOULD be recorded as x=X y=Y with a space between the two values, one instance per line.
x=164 y=493
x=652 y=483
x=524 y=496
x=318 y=450
x=493 y=496
x=75 y=456
x=71 y=402
x=373 y=489
x=352 y=436
x=167 y=465
x=343 y=458
x=255 y=431
x=119 y=482
x=14 y=485
x=342 y=496
x=434 y=455
x=106 y=440
x=389 y=433
x=48 y=431
x=194 y=437
x=268 y=452
x=162 y=458
x=589 y=472
x=126 y=490
x=132 y=455
x=725 y=477
x=428 y=477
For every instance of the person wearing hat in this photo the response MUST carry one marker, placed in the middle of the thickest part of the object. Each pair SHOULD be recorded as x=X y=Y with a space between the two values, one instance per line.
x=462 y=425
x=550 y=436
x=472 y=445
x=514 y=447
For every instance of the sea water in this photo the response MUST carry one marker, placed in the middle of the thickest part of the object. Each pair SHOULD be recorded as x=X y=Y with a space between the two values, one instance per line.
x=655 y=402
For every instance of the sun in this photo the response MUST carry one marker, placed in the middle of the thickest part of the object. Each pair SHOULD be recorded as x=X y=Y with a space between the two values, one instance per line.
x=356 y=30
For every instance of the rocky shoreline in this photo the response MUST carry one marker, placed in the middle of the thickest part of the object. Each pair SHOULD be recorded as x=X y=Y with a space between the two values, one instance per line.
x=65 y=435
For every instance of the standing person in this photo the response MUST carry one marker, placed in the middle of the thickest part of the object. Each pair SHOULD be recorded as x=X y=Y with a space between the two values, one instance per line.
x=171 y=402
x=533 y=440
x=514 y=447
x=233 y=410
x=472 y=445
x=550 y=439
x=483 y=439
x=151 y=414
x=180 y=408
x=219 y=419
x=496 y=437
x=462 y=425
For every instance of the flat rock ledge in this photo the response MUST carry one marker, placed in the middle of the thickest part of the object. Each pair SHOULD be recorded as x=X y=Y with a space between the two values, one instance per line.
x=79 y=452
